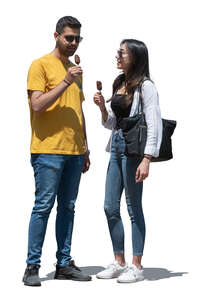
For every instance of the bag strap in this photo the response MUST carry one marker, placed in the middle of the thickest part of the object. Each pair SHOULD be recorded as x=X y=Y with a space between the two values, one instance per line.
x=140 y=103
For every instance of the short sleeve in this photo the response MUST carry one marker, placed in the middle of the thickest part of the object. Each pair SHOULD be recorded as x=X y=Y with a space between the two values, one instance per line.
x=36 y=80
x=82 y=98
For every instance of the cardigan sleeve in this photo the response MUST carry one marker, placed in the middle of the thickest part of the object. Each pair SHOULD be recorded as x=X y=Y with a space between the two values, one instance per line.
x=153 y=118
x=111 y=120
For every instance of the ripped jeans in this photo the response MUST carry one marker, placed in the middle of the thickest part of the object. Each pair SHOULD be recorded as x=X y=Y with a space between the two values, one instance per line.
x=121 y=175
x=55 y=175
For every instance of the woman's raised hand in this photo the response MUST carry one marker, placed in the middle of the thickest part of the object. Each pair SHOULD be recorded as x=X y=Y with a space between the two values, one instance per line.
x=99 y=101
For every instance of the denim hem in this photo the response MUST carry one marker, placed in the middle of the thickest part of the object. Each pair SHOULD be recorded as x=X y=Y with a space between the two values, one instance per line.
x=119 y=252
x=33 y=264
x=63 y=266
x=138 y=254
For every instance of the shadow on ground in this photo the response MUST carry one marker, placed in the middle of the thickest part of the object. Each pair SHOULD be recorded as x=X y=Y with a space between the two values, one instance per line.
x=153 y=274
x=150 y=274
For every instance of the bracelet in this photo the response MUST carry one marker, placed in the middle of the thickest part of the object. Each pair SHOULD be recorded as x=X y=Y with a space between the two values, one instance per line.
x=148 y=157
x=67 y=82
x=87 y=151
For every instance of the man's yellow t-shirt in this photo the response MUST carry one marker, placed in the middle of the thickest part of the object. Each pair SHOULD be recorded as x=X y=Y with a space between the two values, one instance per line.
x=59 y=129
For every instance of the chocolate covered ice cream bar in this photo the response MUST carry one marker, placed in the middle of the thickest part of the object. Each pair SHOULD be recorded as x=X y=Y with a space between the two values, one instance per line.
x=99 y=85
x=77 y=59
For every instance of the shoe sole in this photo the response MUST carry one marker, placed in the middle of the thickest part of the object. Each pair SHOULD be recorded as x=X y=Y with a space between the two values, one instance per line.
x=32 y=284
x=99 y=277
x=29 y=284
x=135 y=280
x=70 y=278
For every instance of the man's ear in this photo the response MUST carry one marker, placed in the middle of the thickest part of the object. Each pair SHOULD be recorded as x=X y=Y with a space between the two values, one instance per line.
x=56 y=34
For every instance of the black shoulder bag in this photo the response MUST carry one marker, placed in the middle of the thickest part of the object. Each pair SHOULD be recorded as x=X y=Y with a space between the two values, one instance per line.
x=135 y=134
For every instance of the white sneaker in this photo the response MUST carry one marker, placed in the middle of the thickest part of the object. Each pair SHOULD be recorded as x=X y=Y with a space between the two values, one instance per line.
x=131 y=274
x=112 y=271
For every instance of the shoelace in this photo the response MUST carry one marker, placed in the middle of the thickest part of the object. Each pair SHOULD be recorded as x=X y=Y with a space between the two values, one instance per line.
x=33 y=269
x=129 y=269
x=72 y=264
x=112 y=266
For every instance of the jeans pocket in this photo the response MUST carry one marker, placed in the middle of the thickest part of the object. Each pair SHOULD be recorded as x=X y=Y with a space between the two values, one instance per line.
x=33 y=158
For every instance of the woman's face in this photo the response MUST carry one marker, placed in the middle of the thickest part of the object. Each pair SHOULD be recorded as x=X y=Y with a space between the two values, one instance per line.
x=123 y=58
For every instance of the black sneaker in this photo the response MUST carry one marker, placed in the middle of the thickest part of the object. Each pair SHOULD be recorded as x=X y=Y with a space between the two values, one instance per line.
x=71 y=272
x=31 y=276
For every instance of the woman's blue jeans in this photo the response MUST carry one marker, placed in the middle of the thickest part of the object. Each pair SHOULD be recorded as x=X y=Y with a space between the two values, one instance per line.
x=55 y=175
x=121 y=175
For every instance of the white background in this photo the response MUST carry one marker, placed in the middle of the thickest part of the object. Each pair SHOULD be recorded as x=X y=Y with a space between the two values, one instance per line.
x=172 y=193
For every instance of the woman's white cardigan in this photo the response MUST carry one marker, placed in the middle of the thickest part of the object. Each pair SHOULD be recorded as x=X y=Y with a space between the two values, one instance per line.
x=152 y=115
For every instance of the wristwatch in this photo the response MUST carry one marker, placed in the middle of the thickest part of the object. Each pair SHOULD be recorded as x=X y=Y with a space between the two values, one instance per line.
x=87 y=152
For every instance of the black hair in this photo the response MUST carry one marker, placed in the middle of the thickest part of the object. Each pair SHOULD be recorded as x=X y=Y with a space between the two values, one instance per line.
x=139 y=69
x=67 y=21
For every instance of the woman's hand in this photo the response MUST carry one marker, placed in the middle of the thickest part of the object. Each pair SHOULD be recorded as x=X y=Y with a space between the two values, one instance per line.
x=99 y=101
x=142 y=170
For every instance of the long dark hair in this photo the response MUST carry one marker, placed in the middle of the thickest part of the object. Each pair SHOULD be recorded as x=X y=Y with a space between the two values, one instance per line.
x=139 y=69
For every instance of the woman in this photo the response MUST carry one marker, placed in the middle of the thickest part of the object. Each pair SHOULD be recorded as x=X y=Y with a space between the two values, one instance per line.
x=123 y=172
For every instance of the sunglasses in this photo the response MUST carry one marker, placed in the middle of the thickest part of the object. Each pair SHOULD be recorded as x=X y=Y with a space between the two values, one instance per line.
x=121 y=54
x=71 y=38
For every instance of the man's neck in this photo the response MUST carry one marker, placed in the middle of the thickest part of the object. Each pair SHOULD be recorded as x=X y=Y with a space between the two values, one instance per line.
x=63 y=58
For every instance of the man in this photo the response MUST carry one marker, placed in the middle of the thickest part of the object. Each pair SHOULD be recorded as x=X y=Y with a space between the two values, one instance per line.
x=59 y=150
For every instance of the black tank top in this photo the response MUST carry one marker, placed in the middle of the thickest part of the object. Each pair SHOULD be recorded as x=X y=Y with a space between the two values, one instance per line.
x=120 y=108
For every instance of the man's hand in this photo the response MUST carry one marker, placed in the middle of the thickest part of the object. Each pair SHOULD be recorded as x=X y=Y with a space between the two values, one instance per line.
x=142 y=170
x=73 y=73
x=86 y=163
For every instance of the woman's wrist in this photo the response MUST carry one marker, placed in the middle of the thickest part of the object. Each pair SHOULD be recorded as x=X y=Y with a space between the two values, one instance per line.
x=148 y=157
x=104 y=114
x=103 y=109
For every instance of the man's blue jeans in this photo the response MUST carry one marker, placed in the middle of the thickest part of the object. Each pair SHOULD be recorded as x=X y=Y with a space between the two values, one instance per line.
x=55 y=175
x=121 y=175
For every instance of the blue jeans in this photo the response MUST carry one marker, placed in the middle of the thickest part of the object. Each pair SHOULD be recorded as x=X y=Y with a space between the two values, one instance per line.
x=55 y=175
x=121 y=175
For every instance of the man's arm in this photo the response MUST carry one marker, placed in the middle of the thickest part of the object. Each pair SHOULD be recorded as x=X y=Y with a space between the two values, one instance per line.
x=86 y=164
x=40 y=101
x=84 y=130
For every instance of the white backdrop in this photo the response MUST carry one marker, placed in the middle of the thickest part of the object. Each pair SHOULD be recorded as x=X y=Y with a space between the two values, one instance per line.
x=172 y=198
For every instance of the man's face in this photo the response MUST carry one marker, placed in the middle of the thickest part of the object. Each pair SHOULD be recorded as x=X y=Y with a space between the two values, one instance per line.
x=65 y=47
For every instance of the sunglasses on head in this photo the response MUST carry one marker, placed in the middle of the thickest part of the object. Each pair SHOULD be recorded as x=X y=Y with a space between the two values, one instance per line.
x=71 y=38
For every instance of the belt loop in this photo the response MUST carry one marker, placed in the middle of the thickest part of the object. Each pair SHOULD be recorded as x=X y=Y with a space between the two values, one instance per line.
x=120 y=133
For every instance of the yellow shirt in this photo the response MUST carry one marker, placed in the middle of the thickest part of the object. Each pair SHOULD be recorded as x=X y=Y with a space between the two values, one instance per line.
x=59 y=129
